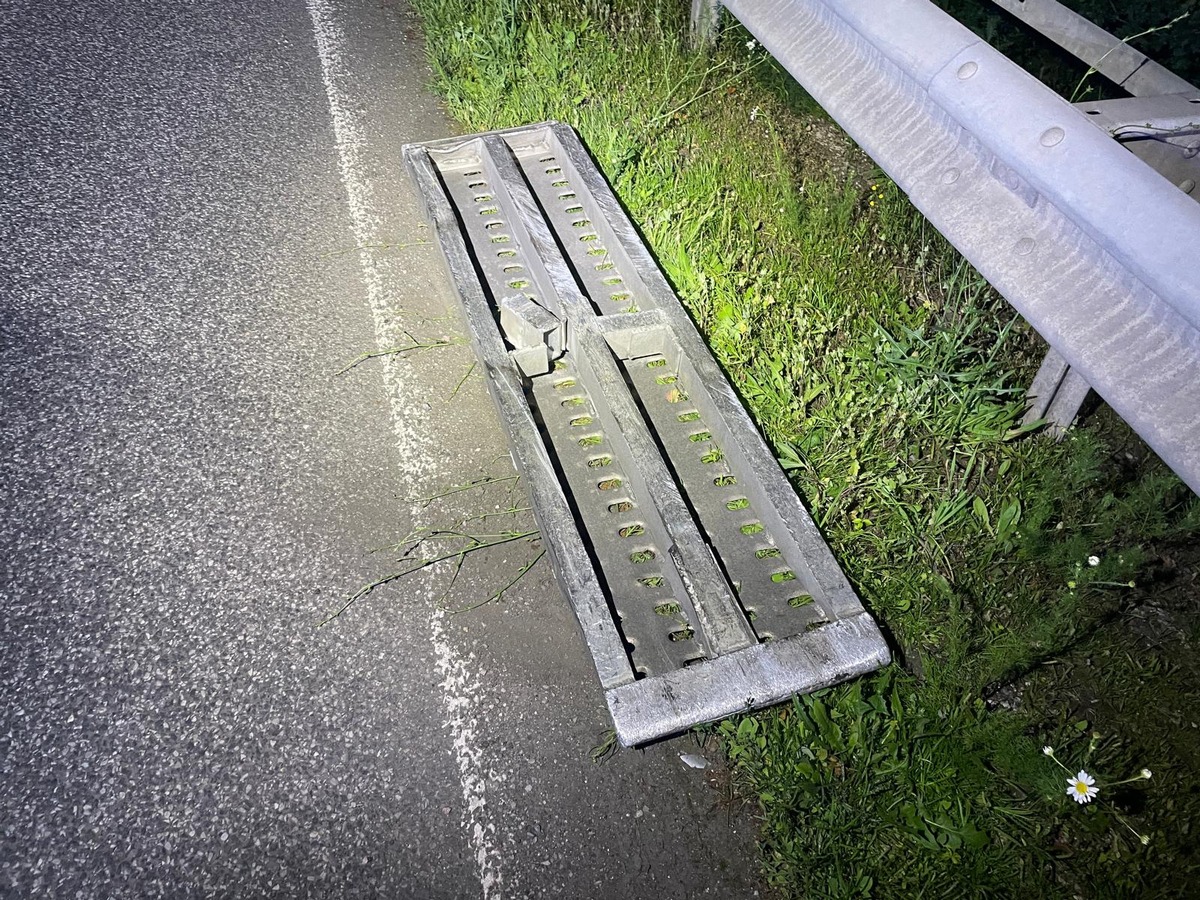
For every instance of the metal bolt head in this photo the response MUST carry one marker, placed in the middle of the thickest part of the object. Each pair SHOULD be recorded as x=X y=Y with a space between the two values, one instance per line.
x=950 y=176
x=1052 y=136
x=967 y=69
x=1187 y=185
x=1024 y=246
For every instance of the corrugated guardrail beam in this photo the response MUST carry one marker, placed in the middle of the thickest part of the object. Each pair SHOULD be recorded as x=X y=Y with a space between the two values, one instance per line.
x=1088 y=243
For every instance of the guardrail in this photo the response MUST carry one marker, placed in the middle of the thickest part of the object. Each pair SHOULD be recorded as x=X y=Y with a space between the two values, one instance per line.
x=1097 y=250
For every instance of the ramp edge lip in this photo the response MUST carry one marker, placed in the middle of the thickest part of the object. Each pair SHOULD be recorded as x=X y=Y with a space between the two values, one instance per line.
x=651 y=709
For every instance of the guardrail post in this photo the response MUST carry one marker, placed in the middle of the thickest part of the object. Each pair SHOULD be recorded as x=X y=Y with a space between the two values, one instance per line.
x=1056 y=395
x=706 y=15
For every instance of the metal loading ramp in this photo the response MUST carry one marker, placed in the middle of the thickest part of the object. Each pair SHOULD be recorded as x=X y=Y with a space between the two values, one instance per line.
x=700 y=582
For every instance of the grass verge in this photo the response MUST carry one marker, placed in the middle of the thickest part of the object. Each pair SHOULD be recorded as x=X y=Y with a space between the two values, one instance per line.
x=889 y=378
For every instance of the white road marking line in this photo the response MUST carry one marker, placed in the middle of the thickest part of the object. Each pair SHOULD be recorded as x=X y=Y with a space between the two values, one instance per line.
x=458 y=684
x=415 y=454
x=459 y=687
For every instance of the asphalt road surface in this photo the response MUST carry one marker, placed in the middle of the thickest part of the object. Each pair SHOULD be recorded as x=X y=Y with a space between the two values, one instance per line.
x=203 y=217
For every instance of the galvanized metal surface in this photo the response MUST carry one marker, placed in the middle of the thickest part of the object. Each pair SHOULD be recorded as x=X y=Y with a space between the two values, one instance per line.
x=699 y=580
x=1092 y=246
x=1160 y=123
x=706 y=17
x=1163 y=131
x=1056 y=395
x=1107 y=54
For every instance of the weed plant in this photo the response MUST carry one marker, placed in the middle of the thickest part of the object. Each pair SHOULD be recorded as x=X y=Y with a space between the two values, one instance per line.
x=890 y=380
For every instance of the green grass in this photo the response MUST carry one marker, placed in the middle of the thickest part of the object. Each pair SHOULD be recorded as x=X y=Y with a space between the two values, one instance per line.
x=890 y=379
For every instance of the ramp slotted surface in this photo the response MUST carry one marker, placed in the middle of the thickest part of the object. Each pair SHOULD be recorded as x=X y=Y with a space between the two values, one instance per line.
x=700 y=582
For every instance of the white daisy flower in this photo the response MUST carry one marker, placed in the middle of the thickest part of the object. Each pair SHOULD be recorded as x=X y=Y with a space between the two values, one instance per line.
x=1082 y=788
x=1093 y=561
x=1146 y=773
x=1048 y=750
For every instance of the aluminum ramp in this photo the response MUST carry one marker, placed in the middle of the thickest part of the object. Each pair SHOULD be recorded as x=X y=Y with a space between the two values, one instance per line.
x=700 y=582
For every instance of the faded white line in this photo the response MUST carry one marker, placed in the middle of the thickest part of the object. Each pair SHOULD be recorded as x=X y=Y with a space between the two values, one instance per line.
x=415 y=453
x=458 y=684
x=459 y=688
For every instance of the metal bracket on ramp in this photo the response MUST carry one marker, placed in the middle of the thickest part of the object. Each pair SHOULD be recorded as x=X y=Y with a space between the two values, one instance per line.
x=700 y=582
